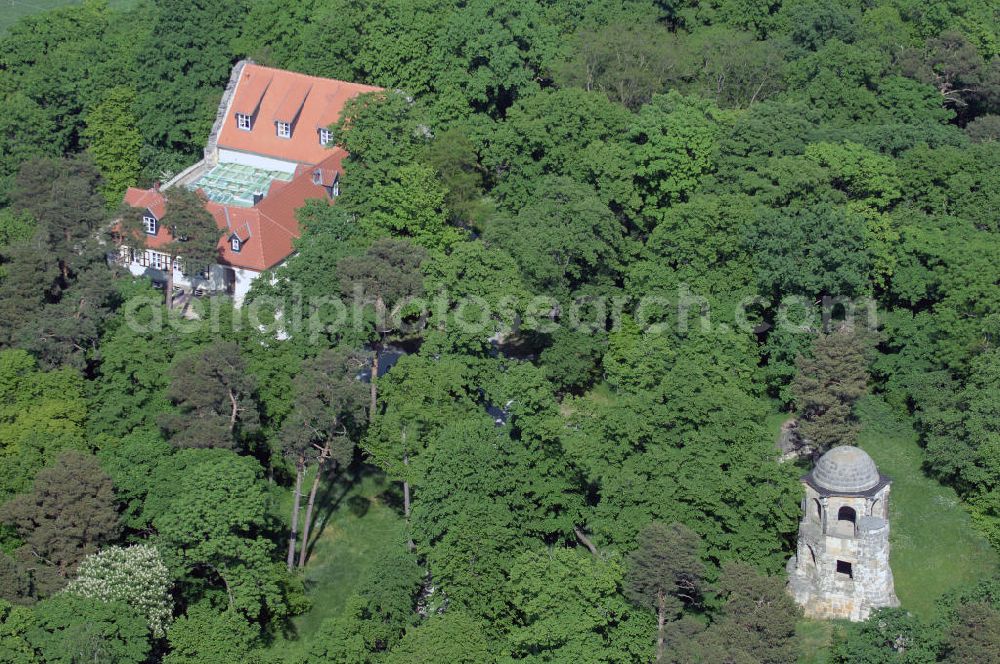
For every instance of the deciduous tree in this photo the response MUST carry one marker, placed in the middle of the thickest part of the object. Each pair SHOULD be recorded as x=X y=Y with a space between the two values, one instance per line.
x=210 y=511
x=114 y=142
x=450 y=637
x=553 y=595
x=376 y=615
x=42 y=413
x=134 y=576
x=205 y=635
x=70 y=628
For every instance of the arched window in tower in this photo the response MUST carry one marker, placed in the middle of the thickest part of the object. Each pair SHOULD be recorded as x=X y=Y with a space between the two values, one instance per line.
x=876 y=509
x=818 y=510
x=847 y=515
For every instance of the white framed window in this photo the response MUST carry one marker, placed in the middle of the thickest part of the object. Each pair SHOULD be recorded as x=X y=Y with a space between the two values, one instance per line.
x=317 y=176
x=325 y=136
x=243 y=122
x=284 y=129
x=335 y=187
x=235 y=243
x=156 y=260
x=149 y=224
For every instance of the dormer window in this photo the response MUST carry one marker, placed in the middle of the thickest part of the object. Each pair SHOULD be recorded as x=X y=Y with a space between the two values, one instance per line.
x=284 y=129
x=325 y=136
x=235 y=243
x=243 y=122
x=149 y=224
x=317 y=176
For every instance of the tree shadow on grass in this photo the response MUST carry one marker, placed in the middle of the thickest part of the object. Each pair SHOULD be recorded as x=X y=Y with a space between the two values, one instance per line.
x=332 y=493
x=392 y=496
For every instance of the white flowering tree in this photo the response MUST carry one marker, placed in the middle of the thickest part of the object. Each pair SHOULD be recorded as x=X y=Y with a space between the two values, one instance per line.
x=134 y=575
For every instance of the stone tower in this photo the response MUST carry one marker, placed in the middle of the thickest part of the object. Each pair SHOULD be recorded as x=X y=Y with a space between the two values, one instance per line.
x=841 y=568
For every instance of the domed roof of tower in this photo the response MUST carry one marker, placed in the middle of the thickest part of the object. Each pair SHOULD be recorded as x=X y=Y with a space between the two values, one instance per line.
x=846 y=469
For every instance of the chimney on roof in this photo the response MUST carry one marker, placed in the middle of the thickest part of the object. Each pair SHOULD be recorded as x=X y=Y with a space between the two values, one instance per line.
x=156 y=186
x=258 y=196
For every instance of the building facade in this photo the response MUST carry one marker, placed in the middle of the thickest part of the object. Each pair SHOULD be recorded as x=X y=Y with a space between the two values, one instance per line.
x=269 y=152
x=841 y=566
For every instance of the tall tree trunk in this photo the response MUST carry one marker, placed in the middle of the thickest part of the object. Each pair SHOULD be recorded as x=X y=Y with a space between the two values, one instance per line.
x=406 y=490
x=169 y=290
x=293 y=537
x=584 y=540
x=376 y=347
x=406 y=500
x=381 y=325
x=661 y=623
x=234 y=411
x=309 y=506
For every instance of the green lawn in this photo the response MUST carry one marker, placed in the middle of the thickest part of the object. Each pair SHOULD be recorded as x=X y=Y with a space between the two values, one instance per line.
x=11 y=10
x=773 y=423
x=934 y=545
x=353 y=523
x=814 y=638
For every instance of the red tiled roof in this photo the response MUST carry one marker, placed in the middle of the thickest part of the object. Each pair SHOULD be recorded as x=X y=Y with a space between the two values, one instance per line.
x=253 y=90
x=310 y=102
x=266 y=230
x=291 y=105
x=149 y=199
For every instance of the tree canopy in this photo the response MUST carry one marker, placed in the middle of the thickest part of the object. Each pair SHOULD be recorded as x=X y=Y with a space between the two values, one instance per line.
x=514 y=394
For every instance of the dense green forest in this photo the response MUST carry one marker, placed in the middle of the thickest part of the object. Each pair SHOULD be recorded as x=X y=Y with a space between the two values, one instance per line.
x=647 y=230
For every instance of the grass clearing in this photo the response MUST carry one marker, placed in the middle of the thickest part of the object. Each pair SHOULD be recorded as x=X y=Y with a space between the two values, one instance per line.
x=773 y=422
x=354 y=521
x=814 y=640
x=935 y=547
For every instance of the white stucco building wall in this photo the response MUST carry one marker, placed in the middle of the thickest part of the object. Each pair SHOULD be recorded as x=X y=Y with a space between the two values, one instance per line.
x=255 y=160
x=237 y=284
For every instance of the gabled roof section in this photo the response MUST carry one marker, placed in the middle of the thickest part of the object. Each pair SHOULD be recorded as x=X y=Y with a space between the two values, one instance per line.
x=255 y=84
x=308 y=102
x=279 y=206
x=149 y=199
x=290 y=107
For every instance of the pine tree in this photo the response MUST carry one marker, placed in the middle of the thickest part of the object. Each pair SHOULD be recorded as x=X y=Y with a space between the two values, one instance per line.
x=827 y=385
x=329 y=404
x=384 y=276
x=194 y=235
x=664 y=573
x=71 y=511
x=214 y=396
